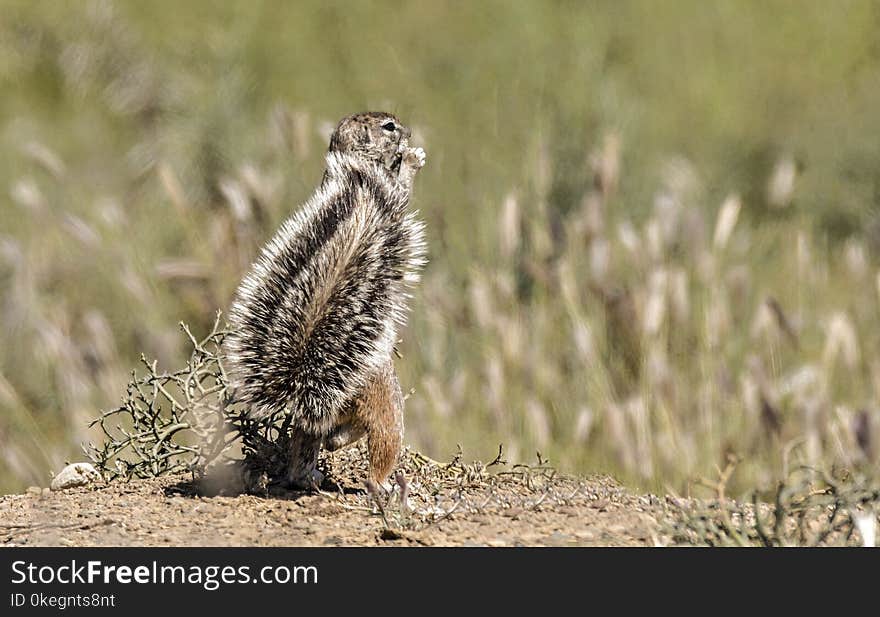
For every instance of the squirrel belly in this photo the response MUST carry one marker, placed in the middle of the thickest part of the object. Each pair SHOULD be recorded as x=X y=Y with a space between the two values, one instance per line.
x=314 y=322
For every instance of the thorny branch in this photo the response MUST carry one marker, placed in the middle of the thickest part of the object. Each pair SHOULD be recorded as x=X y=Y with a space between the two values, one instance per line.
x=808 y=508
x=183 y=421
x=426 y=492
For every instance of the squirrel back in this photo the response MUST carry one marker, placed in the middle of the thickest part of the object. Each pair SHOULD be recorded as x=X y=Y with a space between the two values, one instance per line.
x=318 y=313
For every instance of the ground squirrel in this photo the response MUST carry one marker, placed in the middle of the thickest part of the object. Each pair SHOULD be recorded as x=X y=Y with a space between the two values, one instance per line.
x=314 y=322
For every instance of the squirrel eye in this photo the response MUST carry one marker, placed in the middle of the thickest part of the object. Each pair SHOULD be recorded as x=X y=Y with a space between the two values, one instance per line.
x=389 y=126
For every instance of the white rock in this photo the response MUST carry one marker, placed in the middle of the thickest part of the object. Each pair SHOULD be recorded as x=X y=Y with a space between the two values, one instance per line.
x=75 y=474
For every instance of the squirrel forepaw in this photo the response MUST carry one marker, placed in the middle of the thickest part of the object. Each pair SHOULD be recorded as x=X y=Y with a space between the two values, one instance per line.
x=414 y=157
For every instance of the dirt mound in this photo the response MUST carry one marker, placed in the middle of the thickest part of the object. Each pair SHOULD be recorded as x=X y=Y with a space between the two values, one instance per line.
x=430 y=504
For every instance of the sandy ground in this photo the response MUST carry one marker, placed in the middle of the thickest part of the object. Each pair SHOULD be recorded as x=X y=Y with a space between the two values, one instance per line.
x=446 y=506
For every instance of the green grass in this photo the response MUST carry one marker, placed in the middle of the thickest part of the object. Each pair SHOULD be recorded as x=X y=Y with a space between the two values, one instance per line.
x=120 y=123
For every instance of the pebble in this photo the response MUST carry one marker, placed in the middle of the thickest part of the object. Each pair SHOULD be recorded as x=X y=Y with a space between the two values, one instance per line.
x=75 y=474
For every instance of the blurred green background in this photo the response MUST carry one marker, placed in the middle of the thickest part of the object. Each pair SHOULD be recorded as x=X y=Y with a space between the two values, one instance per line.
x=653 y=226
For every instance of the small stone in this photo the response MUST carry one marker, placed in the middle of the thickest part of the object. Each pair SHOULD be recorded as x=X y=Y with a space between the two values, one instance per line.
x=76 y=474
x=34 y=490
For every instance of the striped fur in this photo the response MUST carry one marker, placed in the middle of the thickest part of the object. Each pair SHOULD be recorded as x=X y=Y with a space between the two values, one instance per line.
x=319 y=311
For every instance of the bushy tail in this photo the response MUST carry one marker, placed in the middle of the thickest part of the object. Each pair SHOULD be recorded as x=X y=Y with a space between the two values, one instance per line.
x=318 y=312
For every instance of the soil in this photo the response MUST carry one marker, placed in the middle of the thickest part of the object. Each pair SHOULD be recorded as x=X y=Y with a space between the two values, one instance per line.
x=430 y=504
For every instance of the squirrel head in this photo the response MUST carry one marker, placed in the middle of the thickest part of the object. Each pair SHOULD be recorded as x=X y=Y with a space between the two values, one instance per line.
x=375 y=135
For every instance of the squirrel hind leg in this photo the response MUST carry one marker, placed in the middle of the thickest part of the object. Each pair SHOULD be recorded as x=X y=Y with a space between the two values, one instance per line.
x=380 y=410
x=303 y=472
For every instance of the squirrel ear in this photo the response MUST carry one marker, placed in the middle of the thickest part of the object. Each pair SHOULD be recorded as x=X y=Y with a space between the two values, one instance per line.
x=367 y=134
